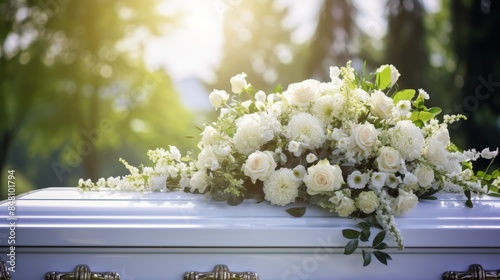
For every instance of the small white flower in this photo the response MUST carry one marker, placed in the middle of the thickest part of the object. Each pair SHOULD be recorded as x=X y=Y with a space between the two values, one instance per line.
x=218 y=98
x=487 y=154
x=378 y=179
x=310 y=158
x=282 y=187
x=402 y=109
x=293 y=146
x=392 y=181
x=344 y=205
x=260 y=96
x=299 y=171
x=238 y=83
x=422 y=93
x=101 y=183
x=410 y=179
x=357 y=180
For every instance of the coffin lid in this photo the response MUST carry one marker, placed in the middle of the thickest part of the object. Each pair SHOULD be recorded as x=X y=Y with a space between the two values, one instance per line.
x=68 y=217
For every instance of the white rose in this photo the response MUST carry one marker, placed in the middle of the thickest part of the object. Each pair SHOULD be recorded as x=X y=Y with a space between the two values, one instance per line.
x=259 y=165
x=405 y=202
x=435 y=152
x=238 y=83
x=389 y=160
x=381 y=105
x=323 y=177
x=394 y=72
x=218 y=98
x=209 y=136
x=425 y=175
x=301 y=94
x=199 y=181
x=346 y=207
x=367 y=202
x=206 y=158
x=365 y=136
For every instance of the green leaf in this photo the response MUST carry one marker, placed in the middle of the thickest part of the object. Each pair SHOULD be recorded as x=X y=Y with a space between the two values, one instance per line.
x=480 y=174
x=383 y=79
x=235 y=200
x=367 y=258
x=406 y=94
x=435 y=110
x=278 y=89
x=379 y=238
x=382 y=257
x=350 y=233
x=425 y=116
x=351 y=246
x=296 y=211
x=381 y=246
x=418 y=123
x=468 y=203
x=364 y=226
x=495 y=174
x=365 y=235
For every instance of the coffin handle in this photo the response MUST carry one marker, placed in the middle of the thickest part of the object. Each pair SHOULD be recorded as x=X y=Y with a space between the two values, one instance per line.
x=221 y=272
x=476 y=272
x=82 y=272
x=4 y=273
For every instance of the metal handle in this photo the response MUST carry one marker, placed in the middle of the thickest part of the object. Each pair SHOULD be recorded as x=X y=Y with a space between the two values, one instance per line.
x=476 y=272
x=220 y=272
x=82 y=272
x=4 y=273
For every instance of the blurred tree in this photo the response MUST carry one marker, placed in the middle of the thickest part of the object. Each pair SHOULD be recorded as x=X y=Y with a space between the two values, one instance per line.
x=475 y=41
x=73 y=79
x=332 y=43
x=257 y=43
x=405 y=45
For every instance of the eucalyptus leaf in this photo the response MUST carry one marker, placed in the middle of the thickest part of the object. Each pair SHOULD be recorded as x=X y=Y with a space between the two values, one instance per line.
x=351 y=246
x=350 y=233
x=367 y=258
x=296 y=211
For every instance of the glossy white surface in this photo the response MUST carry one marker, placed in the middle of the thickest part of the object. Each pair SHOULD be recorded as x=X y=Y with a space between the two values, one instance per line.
x=142 y=235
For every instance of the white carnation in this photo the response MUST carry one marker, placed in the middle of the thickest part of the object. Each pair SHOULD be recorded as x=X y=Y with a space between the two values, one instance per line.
x=306 y=129
x=282 y=187
x=249 y=134
x=407 y=138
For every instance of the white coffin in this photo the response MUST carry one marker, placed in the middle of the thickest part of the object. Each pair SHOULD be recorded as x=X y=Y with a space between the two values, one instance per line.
x=164 y=235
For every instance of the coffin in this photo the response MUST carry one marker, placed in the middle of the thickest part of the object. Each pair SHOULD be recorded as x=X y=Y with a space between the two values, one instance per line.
x=62 y=233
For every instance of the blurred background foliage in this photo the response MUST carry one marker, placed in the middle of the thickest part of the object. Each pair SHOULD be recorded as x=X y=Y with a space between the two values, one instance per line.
x=76 y=92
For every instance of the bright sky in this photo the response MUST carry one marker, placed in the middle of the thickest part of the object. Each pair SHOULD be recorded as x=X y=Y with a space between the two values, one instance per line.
x=195 y=49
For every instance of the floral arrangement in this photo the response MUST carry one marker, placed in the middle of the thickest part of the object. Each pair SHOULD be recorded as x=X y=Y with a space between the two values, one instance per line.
x=356 y=146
